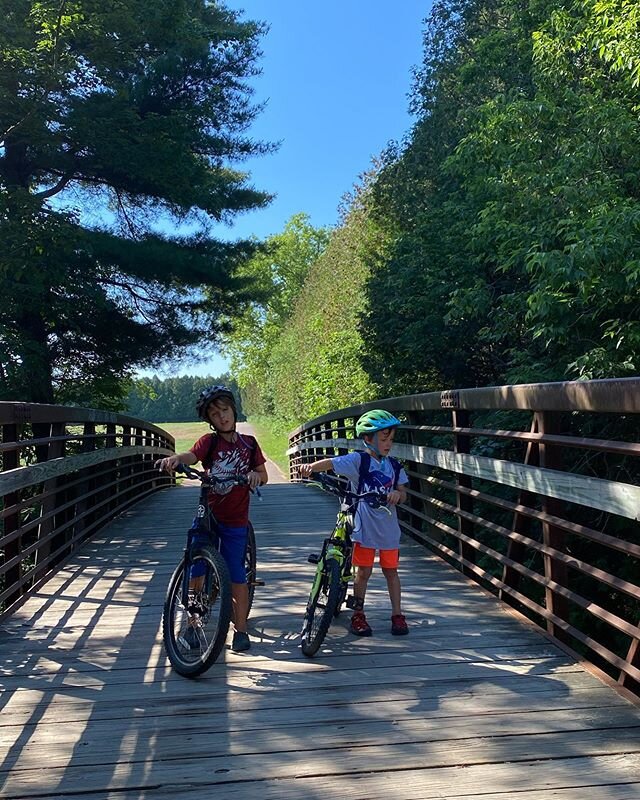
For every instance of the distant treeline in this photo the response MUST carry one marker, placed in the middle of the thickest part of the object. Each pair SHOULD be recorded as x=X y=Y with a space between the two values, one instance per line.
x=173 y=399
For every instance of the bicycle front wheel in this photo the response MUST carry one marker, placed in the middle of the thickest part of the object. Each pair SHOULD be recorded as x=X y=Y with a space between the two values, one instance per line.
x=321 y=608
x=195 y=626
x=250 y=565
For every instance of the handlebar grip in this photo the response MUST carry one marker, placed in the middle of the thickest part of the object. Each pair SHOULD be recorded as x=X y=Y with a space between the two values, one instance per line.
x=183 y=469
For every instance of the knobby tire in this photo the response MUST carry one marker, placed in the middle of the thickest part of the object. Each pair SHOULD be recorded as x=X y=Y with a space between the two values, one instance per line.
x=250 y=565
x=321 y=608
x=217 y=609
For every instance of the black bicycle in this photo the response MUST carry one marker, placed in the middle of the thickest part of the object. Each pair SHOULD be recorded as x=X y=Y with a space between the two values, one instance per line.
x=334 y=569
x=198 y=604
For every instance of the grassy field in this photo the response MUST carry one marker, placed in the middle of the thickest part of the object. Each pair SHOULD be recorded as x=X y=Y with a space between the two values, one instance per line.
x=185 y=433
x=273 y=445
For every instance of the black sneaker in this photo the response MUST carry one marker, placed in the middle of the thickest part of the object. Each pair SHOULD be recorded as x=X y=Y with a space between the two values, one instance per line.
x=241 y=642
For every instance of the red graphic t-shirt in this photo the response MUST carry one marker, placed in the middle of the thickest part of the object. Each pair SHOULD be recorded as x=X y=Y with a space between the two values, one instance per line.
x=230 y=504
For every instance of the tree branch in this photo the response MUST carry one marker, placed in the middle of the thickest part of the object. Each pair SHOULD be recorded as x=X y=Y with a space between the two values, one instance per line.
x=64 y=180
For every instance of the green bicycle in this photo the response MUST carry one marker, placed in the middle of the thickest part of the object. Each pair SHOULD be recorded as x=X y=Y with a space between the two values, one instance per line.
x=333 y=564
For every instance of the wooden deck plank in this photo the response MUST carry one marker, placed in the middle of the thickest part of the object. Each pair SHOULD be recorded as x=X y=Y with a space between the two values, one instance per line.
x=199 y=737
x=472 y=698
x=301 y=759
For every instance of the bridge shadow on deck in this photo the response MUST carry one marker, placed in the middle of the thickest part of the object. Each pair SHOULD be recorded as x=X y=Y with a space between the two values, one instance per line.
x=91 y=709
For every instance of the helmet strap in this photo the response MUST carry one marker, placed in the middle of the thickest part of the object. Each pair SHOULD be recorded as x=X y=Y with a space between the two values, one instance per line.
x=374 y=449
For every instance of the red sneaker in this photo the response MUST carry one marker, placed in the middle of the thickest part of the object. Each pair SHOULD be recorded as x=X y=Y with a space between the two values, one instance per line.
x=399 y=625
x=359 y=624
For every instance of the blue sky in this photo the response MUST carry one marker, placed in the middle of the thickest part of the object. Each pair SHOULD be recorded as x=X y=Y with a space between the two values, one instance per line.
x=336 y=75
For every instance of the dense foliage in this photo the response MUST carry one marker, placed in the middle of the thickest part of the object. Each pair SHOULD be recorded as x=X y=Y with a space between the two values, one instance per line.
x=280 y=270
x=119 y=123
x=513 y=207
x=172 y=399
x=500 y=243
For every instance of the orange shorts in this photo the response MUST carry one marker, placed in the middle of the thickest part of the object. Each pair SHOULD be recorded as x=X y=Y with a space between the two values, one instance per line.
x=363 y=557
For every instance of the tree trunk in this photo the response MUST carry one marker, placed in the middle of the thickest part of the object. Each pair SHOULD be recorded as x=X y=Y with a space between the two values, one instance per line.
x=37 y=385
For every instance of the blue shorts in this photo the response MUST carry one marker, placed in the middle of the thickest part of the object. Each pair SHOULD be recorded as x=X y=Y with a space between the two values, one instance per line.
x=233 y=546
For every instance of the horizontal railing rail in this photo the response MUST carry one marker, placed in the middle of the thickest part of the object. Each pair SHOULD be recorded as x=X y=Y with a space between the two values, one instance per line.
x=532 y=491
x=65 y=473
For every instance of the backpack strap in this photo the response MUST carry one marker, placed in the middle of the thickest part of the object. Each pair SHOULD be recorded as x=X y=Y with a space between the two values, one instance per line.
x=209 y=457
x=363 y=470
x=397 y=466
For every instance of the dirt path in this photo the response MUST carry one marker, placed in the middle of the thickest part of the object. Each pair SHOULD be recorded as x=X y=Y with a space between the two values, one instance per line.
x=273 y=470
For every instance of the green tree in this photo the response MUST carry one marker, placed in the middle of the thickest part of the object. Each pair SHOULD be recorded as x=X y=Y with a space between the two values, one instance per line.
x=315 y=364
x=279 y=271
x=552 y=179
x=511 y=210
x=119 y=121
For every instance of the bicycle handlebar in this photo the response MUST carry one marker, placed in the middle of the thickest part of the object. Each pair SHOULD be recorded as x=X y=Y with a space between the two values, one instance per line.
x=209 y=480
x=326 y=482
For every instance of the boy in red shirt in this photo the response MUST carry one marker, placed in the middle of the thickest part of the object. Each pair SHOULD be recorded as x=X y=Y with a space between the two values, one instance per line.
x=227 y=452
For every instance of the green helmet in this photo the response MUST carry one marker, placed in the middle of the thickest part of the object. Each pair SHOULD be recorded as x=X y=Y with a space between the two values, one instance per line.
x=375 y=420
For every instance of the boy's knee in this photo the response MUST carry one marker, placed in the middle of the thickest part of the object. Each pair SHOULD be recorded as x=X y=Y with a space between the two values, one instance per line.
x=390 y=572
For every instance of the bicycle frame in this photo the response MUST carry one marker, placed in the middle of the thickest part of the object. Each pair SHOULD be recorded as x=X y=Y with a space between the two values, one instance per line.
x=203 y=523
x=333 y=566
x=337 y=546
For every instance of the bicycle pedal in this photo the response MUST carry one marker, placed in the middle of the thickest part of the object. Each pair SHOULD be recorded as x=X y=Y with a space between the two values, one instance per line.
x=257 y=583
x=313 y=558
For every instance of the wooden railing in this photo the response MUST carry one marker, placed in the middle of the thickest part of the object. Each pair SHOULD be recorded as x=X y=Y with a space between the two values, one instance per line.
x=533 y=492
x=65 y=473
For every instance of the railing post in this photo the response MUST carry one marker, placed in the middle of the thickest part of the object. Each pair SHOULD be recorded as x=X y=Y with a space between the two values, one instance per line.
x=633 y=659
x=50 y=504
x=462 y=444
x=110 y=442
x=11 y=460
x=84 y=489
x=342 y=434
x=552 y=536
x=517 y=551
x=139 y=466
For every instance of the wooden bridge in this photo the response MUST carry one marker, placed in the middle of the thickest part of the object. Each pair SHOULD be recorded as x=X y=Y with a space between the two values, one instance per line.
x=478 y=702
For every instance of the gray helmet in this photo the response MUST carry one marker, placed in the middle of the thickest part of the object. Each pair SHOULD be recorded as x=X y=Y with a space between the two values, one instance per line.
x=210 y=394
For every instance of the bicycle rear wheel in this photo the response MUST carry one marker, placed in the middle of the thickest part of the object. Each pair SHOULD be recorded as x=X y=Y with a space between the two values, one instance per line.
x=195 y=627
x=321 y=608
x=250 y=565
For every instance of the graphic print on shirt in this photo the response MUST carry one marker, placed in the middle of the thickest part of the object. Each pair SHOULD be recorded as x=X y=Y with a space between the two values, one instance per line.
x=228 y=463
x=376 y=479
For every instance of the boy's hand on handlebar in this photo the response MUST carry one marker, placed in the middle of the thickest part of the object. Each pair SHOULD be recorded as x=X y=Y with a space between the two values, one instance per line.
x=167 y=464
x=393 y=497
x=253 y=479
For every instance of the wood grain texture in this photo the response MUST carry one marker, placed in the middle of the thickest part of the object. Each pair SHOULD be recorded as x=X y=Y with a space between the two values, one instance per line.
x=473 y=703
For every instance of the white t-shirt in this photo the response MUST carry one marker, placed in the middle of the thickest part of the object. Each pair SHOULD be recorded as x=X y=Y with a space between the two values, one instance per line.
x=373 y=527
